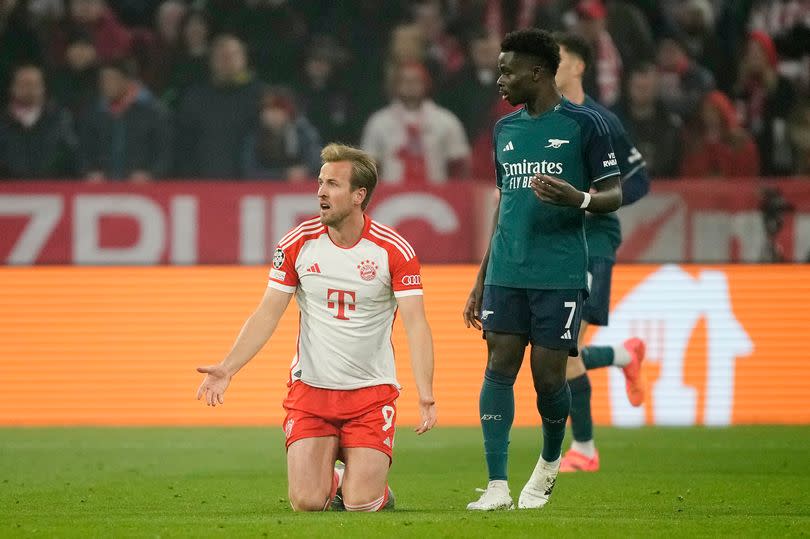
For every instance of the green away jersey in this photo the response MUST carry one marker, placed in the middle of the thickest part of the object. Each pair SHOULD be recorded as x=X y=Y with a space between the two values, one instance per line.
x=539 y=245
x=602 y=230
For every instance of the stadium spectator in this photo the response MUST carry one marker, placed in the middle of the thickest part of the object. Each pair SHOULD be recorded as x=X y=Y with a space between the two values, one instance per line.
x=764 y=101
x=214 y=118
x=127 y=136
x=605 y=80
x=442 y=48
x=655 y=131
x=682 y=82
x=164 y=46
x=112 y=39
x=413 y=139
x=190 y=66
x=254 y=21
x=473 y=97
x=36 y=137
x=407 y=45
x=74 y=85
x=695 y=19
x=716 y=145
x=631 y=33
x=799 y=129
x=285 y=146
x=502 y=16
x=18 y=42
x=323 y=95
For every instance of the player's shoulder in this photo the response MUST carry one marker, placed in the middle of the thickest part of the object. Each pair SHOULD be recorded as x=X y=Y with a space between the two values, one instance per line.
x=507 y=118
x=297 y=236
x=608 y=115
x=587 y=117
x=389 y=239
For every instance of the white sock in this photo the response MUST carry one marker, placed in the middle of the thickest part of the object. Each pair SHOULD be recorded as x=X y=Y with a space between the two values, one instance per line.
x=586 y=448
x=621 y=356
x=499 y=484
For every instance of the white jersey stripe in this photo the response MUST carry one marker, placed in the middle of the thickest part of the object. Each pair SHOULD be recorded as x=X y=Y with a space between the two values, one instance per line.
x=306 y=232
x=298 y=228
x=396 y=235
x=388 y=241
x=297 y=231
x=395 y=238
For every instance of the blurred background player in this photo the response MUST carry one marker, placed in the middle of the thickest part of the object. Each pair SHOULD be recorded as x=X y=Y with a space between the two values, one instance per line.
x=603 y=234
x=350 y=275
x=540 y=218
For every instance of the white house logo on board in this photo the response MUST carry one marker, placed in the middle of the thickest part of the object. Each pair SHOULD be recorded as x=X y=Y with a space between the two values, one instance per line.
x=665 y=310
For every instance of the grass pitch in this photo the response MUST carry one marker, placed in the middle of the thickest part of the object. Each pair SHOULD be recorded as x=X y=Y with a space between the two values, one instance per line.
x=743 y=481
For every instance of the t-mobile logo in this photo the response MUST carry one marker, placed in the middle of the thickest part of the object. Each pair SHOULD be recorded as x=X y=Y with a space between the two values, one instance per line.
x=343 y=304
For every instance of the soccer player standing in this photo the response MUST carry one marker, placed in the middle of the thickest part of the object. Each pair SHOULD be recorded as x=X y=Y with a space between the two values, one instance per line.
x=603 y=234
x=349 y=275
x=533 y=278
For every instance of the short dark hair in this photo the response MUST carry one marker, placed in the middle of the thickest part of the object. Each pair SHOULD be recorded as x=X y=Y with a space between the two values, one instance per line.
x=535 y=42
x=576 y=44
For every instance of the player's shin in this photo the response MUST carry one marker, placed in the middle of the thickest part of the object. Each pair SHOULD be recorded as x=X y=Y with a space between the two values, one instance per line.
x=581 y=420
x=554 y=408
x=497 y=408
x=596 y=357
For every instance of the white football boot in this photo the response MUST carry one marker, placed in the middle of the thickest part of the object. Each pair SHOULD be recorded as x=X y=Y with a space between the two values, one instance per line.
x=495 y=497
x=538 y=489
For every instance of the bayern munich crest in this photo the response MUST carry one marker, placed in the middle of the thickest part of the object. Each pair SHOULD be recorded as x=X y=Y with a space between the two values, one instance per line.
x=368 y=270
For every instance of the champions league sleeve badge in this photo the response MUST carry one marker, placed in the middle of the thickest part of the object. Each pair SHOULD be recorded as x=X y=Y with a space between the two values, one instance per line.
x=278 y=258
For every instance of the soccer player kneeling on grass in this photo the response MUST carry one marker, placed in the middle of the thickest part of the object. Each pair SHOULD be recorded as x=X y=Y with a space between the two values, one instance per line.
x=533 y=278
x=349 y=275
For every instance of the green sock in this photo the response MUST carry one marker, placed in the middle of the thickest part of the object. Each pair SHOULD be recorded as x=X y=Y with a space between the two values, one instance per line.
x=581 y=421
x=596 y=357
x=497 y=407
x=554 y=409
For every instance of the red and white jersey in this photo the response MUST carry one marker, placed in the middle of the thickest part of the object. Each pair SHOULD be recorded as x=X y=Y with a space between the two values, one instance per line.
x=347 y=299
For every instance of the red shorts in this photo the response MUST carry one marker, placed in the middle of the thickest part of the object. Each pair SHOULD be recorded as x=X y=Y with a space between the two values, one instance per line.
x=362 y=417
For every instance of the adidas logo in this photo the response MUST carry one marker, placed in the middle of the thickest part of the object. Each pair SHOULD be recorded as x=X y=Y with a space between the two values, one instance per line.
x=314 y=269
x=566 y=335
x=387 y=441
x=509 y=147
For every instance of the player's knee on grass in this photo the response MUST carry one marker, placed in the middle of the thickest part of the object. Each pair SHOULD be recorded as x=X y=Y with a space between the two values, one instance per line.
x=309 y=499
x=505 y=352
x=364 y=502
x=548 y=369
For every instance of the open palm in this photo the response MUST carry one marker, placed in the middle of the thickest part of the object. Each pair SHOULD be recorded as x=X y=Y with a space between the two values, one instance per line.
x=214 y=385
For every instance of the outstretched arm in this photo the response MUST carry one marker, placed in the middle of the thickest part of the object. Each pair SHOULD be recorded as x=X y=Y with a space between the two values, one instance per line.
x=420 y=343
x=256 y=331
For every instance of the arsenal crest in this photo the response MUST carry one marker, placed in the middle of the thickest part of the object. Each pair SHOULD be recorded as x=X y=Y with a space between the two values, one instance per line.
x=368 y=270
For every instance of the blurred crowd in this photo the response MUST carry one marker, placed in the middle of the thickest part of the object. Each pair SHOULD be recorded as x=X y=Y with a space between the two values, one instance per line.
x=142 y=90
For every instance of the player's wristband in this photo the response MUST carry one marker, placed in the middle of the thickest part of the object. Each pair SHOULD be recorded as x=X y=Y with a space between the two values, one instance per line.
x=585 y=201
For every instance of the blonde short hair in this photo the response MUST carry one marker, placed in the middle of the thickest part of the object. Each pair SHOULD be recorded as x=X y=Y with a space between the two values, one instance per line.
x=364 y=169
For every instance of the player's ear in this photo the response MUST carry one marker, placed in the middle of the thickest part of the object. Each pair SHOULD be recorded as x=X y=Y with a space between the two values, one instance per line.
x=537 y=72
x=359 y=195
